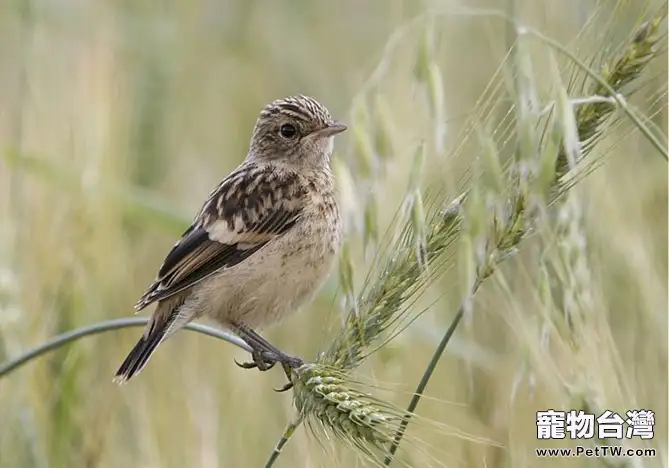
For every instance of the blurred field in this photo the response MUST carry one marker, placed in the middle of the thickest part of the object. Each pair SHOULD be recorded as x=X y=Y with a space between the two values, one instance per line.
x=117 y=119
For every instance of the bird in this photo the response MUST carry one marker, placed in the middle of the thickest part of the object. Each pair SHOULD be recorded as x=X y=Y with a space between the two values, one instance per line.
x=262 y=244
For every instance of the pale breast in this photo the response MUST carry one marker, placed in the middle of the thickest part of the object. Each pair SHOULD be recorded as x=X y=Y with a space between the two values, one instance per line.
x=280 y=277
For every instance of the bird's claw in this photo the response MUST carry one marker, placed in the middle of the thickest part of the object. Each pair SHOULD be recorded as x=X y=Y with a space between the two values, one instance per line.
x=260 y=362
x=288 y=364
x=263 y=364
x=264 y=359
x=285 y=388
x=246 y=365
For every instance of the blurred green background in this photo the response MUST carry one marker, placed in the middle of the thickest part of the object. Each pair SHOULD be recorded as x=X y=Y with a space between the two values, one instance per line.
x=117 y=119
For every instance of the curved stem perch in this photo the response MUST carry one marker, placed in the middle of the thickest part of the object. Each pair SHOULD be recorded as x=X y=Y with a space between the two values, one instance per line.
x=102 y=327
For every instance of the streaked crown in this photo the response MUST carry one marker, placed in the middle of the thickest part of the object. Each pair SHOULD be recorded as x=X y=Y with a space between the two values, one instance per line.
x=301 y=108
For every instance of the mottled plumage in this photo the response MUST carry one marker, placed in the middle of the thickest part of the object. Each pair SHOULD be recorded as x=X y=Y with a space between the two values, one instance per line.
x=263 y=242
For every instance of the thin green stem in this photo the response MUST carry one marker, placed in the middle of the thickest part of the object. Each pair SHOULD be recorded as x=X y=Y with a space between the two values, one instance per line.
x=102 y=327
x=422 y=384
x=285 y=437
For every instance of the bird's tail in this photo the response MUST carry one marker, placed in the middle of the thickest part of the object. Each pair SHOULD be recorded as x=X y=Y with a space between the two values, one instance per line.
x=139 y=355
x=159 y=328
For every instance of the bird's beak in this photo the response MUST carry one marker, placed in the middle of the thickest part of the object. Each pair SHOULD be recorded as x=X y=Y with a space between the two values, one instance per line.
x=331 y=130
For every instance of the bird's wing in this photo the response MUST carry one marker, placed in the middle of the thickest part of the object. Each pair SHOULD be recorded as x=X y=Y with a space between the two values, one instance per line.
x=250 y=208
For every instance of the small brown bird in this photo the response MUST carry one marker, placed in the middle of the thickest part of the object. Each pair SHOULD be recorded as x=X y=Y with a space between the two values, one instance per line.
x=263 y=242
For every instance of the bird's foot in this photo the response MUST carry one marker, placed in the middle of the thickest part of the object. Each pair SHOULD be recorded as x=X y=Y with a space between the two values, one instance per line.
x=288 y=366
x=264 y=361
x=289 y=363
x=261 y=361
x=265 y=355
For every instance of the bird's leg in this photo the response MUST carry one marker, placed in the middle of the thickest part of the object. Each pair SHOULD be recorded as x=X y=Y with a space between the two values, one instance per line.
x=262 y=358
x=266 y=355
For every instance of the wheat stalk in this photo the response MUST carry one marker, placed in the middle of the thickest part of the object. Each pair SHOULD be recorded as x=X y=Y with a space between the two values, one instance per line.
x=322 y=390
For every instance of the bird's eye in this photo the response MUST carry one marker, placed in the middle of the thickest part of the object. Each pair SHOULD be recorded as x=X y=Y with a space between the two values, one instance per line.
x=288 y=131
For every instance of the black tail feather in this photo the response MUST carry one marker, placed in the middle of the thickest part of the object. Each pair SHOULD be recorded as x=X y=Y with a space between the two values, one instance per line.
x=139 y=355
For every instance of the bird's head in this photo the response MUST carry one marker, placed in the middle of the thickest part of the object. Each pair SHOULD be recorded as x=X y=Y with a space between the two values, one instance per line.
x=297 y=130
